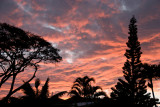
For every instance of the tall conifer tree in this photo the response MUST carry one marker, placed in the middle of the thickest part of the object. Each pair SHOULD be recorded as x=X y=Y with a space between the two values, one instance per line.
x=132 y=90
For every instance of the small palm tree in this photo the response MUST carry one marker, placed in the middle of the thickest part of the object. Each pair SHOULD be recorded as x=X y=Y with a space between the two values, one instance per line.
x=82 y=88
x=31 y=93
x=43 y=94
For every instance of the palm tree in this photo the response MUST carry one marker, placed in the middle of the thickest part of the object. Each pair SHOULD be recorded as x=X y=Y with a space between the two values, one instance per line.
x=35 y=94
x=40 y=96
x=151 y=72
x=82 y=88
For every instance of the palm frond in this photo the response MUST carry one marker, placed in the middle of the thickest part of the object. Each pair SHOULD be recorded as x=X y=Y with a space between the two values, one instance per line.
x=78 y=89
x=45 y=92
x=95 y=88
x=60 y=94
x=89 y=80
x=28 y=90
x=76 y=85
x=74 y=93
x=79 y=80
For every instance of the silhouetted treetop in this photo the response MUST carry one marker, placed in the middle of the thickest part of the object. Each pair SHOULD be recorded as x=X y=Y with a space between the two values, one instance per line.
x=20 y=49
x=31 y=94
x=82 y=88
x=15 y=40
x=133 y=44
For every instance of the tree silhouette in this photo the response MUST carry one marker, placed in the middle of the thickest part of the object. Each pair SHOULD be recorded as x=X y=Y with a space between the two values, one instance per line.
x=39 y=97
x=150 y=72
x=132 y=90
x=19 y=50
x=82 y=88
x=32 y=94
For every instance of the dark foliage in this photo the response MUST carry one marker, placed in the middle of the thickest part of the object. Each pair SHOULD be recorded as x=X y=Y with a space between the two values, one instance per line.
x=30 y=93
x=20 y=49
x=82 y=88
x=132 y=90
x=34 y=98
x=150 y=72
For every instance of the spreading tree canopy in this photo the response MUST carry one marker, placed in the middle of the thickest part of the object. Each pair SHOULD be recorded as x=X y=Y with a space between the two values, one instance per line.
x=20 y=50
x=132 y=90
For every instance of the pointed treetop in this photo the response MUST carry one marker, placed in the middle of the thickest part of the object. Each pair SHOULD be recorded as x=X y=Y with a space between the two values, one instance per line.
x=133 y=27
x=133 y=19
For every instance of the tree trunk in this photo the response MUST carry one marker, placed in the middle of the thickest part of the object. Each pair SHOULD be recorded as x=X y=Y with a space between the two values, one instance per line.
x=17 y=89
x=152 y=90
x=11 y=89
x=37 y=91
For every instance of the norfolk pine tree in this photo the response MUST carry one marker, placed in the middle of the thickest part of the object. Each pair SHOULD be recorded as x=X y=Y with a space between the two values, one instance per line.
x=132 y=90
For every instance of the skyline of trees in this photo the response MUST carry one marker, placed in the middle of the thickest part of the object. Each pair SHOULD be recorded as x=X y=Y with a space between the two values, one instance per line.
x=20 y=49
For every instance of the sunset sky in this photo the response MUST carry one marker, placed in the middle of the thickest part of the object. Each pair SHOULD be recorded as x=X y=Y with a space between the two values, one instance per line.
x=91 y=35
